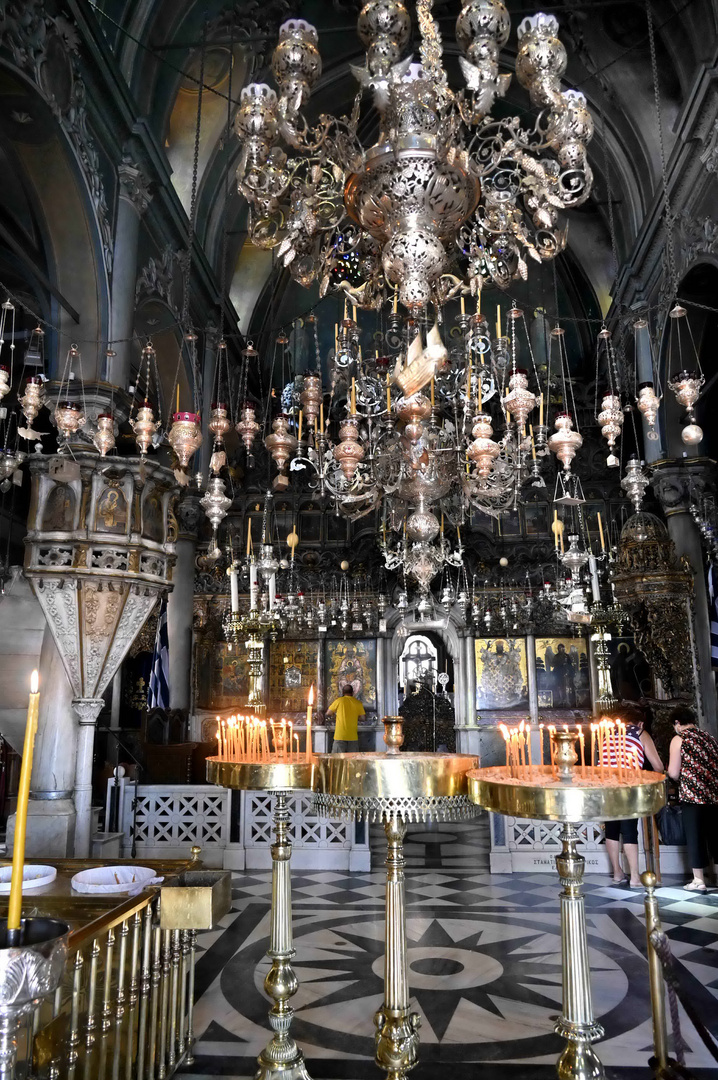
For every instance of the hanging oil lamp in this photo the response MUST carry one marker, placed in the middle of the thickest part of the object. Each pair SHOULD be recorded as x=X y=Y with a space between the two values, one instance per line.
x=483 y=450
x=311 y=398
x=635 y=482
x=185 y=436
x=33 y=399
x=144 y=427
x=687 y=385
x=247 y=426
x=215 y=502
x=4 y=381
x=104 y=437
x=413 y=410
x=349 y=451
x=281 y=444
x=647 y=403
x=519 y=400
x=69 y=418
x=565 y=442
x=610 y=420
x=219 y=422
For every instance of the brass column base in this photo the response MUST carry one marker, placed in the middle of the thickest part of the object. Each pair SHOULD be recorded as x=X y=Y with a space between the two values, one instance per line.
x=397 y=1041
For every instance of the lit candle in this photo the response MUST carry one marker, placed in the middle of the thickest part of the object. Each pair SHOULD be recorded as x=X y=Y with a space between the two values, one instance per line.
x=591 y=749
x=505 y=732
x=600 y=532
x=309 y=721
x=583 y=750
x=289 y=733
x=551 y=733
x=297 y=741
x=541 y=742
x=14 y=911
x=528 y=747
x=541 y=408
x=284 y=738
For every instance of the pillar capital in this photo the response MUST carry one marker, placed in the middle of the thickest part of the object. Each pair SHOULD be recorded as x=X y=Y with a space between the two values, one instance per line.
x=134 y=184
x=678 y=481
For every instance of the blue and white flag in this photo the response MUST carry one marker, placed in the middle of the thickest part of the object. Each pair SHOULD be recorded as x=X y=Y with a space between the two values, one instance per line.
x=713 y=614
x=159 y=691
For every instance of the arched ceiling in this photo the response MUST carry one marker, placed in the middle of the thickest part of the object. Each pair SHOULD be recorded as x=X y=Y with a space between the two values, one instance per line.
x=158 y=44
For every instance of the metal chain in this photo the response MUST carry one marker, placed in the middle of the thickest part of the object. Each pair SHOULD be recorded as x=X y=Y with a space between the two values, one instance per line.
x=670 y=251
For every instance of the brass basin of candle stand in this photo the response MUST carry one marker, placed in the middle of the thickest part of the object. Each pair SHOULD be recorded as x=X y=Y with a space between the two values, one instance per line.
x=494 y=789
x=570 y=794
x=393 y=775
x=272 y=775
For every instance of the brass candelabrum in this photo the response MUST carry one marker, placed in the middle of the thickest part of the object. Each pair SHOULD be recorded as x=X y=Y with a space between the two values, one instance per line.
x=571 y=795
x=281 y=1058
x=395 y=788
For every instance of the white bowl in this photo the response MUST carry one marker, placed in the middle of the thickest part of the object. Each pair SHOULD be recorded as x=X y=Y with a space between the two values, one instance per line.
x=32 y=877
x=114 y=879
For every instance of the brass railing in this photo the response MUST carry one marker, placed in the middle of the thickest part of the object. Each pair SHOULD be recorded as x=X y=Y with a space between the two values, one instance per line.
x=124 y=1008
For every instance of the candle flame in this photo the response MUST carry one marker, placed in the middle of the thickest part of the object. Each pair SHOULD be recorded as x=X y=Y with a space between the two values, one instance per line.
x=311 y=694
x=504 y=731
x=34 y=682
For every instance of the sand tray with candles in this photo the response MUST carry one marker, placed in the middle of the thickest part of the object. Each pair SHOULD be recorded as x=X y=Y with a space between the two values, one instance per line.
x=261 y=755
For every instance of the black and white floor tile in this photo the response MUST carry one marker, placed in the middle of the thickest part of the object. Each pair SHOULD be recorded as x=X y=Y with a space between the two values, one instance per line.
x=484 y=960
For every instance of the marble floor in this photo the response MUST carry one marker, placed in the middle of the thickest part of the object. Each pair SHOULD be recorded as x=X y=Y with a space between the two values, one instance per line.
x=484 y=965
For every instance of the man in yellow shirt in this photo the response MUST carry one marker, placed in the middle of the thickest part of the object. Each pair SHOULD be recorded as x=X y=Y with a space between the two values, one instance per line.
x=348 y=710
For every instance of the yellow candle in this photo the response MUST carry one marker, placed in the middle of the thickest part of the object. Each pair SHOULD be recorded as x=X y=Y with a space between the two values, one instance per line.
x=388 y=394
x=463 y=305
x=600 y=532
x=309 y=720
x=354 y=396
x=541 y=742
x=498 y=321
x=177 y=409
x=432 y=391
x=541 y=408
x=479 y=392
x=14 y=911
x=468 y=382
x=321 y=416
x=249 y=537
x=478 y=302
x=396 y=301
x=301 y=421
x=533 y=447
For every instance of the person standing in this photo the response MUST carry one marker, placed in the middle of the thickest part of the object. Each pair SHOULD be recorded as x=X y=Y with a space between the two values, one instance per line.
x=639 y=746
x=346 y=733
x=693 y=763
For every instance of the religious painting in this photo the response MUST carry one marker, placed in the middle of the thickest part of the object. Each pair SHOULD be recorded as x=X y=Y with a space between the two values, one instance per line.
x=292 y=670
x=562 y=673
x=630 y=674
x=59 y=514
x=223 y=683
x=501 y=673
x=152 y=517
x=352 y=663
x=111 y=513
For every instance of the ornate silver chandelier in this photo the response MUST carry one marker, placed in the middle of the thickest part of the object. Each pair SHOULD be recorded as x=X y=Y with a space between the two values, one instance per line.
x=449 y=197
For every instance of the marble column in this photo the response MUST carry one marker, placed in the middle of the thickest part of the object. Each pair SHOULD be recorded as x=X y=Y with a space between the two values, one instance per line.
x=674 y=483
x=470 y=654
x=134 y=198
x=180 y=603
x=51 y=811
x=531 y=677
x=87 y=709
x=116 y=703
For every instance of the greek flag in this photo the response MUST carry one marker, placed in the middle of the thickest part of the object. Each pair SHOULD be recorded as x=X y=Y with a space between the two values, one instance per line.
x=713 y=614
x=159 y=691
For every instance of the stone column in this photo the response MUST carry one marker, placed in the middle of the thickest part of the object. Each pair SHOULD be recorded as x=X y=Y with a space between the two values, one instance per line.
x=531 y=677
x=470 y=654
x=51 y=811
x=674 y=482
x=116 y=703
x=181 y=602
x=134 y=198
x=87 y=709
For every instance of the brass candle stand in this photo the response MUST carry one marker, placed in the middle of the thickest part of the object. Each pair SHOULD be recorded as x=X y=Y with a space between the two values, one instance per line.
x=395 y=788
x=562 y=792
x=281 y=1058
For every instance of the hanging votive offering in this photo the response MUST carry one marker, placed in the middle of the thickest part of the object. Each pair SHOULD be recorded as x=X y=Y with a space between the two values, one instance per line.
x=104 y=436
x=69 y=418
x=610 y=420
x=647 y=403
x=144 y=427
x=565 y=442
x=247 y=426
x=687 y=385
x=185 y=436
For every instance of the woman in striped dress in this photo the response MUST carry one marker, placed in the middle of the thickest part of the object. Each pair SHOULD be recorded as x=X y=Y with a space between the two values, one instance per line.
x=639 y=746
x=694 y=764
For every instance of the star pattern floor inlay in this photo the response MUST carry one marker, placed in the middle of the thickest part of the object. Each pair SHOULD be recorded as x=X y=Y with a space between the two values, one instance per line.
x=484 y=967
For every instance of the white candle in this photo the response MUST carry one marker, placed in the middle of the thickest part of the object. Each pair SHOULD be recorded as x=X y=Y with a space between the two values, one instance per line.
x=252 y=585
x=234 y=587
